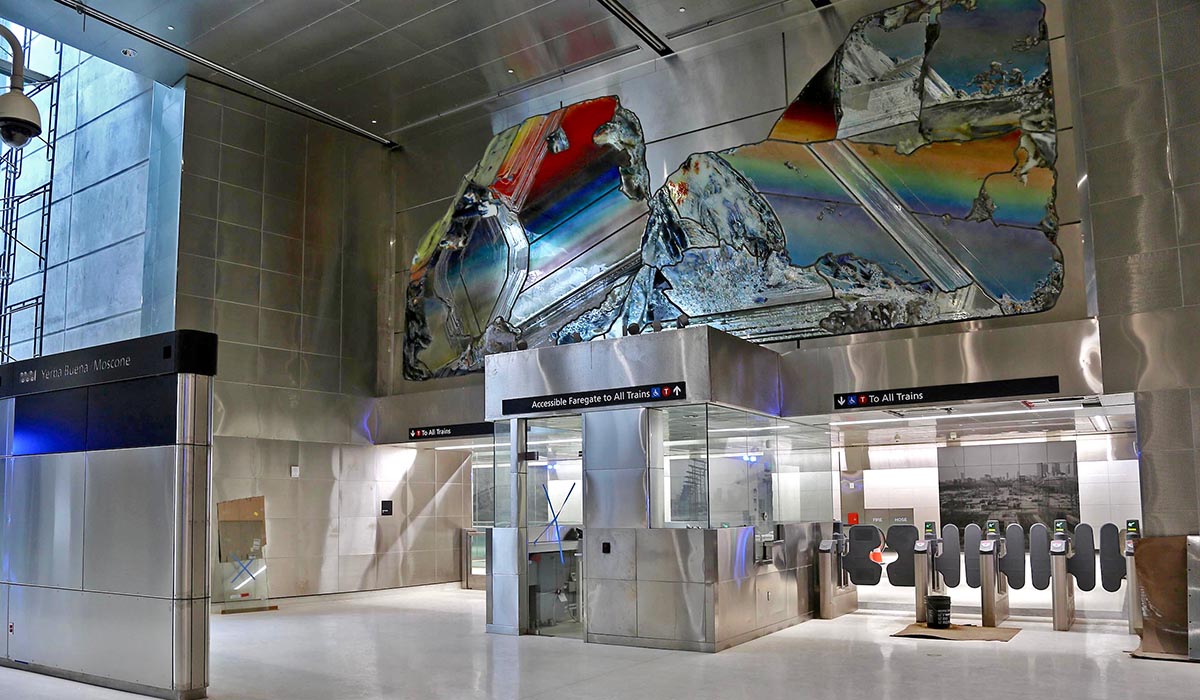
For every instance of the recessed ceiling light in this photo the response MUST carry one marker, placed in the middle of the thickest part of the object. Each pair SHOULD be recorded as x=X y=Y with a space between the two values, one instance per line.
x=683 y=9
x=510 y=70
x=129 y=52
x=170 y=27
x=374 y=121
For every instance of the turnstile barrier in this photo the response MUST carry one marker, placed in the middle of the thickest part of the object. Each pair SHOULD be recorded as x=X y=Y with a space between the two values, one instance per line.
x=994 y=561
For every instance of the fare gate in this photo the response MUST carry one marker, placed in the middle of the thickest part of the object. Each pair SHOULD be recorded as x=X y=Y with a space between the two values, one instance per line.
x=991 y=559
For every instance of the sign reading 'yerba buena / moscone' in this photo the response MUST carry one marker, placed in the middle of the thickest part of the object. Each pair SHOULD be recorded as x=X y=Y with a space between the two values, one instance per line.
x=1004 y=388
x=175 y=352
x=598 y=398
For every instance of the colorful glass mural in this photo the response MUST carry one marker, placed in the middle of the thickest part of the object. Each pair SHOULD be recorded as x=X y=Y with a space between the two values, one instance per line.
x=911 y=182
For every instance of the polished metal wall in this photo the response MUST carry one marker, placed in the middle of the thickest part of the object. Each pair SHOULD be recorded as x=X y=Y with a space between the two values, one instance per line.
x=717 y=367
x=104 y=558
x=284 y=246
x=645 y=584
x=696 y=590
x=1140 y=123
x=812 y=375
x=325 y=531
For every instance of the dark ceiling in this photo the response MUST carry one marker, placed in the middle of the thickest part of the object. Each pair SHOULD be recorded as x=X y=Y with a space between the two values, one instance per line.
x=381 y=64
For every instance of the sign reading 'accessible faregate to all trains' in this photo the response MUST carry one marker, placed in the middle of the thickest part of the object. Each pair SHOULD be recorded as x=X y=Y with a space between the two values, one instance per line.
x=599 y=398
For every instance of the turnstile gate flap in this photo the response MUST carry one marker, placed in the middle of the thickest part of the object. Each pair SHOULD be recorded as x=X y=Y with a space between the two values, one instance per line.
x=902 y=539
x=864 y=539
x=949 y=565
x=1039 y=556
x=1013 y=562
x=972 y=536
x=1112 y=557
x=1082 y=565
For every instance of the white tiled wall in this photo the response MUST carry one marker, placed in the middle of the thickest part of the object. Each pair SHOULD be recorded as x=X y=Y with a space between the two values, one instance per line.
x=914 y=487
x=1109 y=492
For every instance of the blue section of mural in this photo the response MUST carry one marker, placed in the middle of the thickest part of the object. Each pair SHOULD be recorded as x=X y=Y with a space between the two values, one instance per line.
x=911 y=182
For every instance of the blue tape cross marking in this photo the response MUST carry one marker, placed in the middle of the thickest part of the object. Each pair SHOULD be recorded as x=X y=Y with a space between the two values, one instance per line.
x=554 y=520
x=244 y=568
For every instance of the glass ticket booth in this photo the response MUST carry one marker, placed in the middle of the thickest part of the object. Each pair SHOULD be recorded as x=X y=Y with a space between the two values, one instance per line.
x=690 y=523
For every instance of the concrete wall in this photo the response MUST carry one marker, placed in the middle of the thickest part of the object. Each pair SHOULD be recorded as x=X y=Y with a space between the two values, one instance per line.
x=114 y=214
x=1138 y=77
x=283 y=245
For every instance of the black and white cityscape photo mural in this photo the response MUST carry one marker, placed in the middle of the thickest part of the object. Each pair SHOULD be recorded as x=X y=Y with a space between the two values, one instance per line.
x=1013 y=483
x=911 y=182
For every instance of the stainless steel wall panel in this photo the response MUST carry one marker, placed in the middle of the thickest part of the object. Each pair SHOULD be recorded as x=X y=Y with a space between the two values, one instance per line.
x=194 y=410
x=132 y=523
x=611 y=606
x=672 y=610
x=503 y=598
x=1150 y=351
x=43 y=528
x=4 y=619
x=507 y=551
x=357 y=572
x=619 y=563
x=735 y=555
x=189 y=667
x=744 y=375
x=192 y=522
x=125 y=638
x=678 y=355
x=716 y=366
x=674 y=555
x=616 y=498
x=617 y=439
x=771 y=592
x=736 y=608
x=800 y=544
x=1193 y=593
x=6 y=426
x=812 y=376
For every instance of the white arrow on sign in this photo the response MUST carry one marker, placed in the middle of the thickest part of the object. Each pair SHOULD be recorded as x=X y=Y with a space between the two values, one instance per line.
x=677 y=390
x=841 y=400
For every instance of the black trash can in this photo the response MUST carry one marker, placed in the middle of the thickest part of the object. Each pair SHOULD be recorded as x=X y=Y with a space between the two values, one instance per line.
x=937 y=612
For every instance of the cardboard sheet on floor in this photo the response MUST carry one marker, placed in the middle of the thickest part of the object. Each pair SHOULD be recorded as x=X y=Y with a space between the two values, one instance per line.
x=957 y=633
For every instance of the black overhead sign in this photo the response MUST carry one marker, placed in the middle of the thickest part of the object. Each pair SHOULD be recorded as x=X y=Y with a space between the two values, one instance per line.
x=176 y=352
x=599 y=398
x=1032 y=386
x=441 y=432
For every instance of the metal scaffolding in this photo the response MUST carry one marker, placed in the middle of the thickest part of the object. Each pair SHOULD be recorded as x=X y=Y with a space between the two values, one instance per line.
x=25 y=225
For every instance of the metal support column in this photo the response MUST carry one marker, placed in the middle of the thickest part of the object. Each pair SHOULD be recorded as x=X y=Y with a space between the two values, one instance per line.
x=993 y=583
x=1062 y=587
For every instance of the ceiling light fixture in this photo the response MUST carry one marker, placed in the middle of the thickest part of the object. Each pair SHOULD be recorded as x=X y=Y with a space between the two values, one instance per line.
x=511 y=71
x=955 y=415
x=170 y=27
x=128 y=52
x=1100 y=423
x=636 y=25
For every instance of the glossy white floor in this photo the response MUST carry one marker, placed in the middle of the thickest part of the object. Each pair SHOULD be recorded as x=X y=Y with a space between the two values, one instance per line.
x=429 y=643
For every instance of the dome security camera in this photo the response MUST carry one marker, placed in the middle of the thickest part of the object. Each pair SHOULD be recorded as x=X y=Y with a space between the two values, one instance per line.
x=20 y=122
